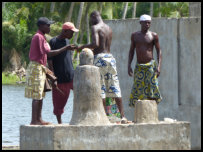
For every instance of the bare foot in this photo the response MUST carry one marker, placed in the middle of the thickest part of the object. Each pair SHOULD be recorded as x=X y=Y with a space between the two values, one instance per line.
x=124 y=120
x=35 y=123
x=44 y=122
x=41 y=122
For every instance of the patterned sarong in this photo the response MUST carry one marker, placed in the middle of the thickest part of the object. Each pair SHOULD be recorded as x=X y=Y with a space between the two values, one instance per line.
x=145 y=83
x=111 y=108
x=35 y=79
x=109 y=78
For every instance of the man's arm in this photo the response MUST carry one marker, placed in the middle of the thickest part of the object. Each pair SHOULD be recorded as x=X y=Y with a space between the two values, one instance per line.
x=58 y=51
x=131 y=54
x=50 y=64
x=159 y=53
x=95 y=40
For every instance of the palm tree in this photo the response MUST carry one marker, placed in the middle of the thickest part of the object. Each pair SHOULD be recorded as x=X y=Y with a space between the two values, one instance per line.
x=83 y=25
x=134 y=10
x=85 y=19
x=125 y=10
x=87 y=29
x=52 y=7
x=78 y=26
x=159 y=9
x=100 y=7
x=79 y=20
x=44 y=9
x=70 y=12
x=108 y=10
x=151 y=8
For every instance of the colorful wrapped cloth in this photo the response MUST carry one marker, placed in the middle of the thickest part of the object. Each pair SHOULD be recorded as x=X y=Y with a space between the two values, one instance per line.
x=35 y=80
x=145 y=83
x=109 y=78
x=111 y=108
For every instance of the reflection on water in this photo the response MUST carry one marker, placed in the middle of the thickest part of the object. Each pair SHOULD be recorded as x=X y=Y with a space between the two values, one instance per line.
x=16 y=111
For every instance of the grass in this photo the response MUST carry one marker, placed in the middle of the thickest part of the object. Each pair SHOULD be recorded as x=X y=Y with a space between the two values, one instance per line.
x=8 y=78
x=10 y=148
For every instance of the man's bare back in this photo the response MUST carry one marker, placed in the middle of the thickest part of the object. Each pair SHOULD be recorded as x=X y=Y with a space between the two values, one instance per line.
x=104 y=33
x=101 y=35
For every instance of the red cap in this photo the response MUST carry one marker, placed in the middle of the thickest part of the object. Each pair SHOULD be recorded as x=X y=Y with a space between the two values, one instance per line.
x=69 y=26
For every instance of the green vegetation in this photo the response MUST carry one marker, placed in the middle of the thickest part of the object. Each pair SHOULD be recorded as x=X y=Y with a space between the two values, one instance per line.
x=8 y=78
x=19 y=20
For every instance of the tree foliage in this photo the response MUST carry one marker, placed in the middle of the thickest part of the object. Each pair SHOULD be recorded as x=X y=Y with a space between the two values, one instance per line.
x=19 y=19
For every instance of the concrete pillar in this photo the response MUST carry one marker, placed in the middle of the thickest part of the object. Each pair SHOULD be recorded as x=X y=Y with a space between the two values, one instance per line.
x=146 y=111
x=88 y=106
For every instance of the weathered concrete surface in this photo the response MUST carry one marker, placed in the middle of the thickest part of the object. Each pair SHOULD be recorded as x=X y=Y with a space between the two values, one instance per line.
x=179 y=81
x=154 y=136
x=86 y=57
x=194 y=9
x=87 y=104
x=146 y=111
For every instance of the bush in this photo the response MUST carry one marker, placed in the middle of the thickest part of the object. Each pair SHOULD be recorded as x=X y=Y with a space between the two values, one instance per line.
x=55 y=29
x=8 y=78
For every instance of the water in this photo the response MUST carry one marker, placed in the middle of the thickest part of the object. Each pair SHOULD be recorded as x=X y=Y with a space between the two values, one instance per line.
x=17 y=110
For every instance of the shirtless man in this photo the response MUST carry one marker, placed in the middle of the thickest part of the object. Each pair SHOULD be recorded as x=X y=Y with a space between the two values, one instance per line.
x=101 y=41
x=146 y=72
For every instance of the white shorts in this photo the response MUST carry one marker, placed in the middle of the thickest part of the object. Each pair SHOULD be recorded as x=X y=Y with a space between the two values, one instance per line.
x=109 y=78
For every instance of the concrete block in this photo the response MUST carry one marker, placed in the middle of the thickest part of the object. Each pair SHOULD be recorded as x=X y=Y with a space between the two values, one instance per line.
x=87 y=104
x=146 y=111
x=142 y=136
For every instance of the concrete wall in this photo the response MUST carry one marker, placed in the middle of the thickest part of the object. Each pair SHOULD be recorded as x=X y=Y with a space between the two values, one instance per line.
x=194 y=9
x=142 y=136
x=180 y=78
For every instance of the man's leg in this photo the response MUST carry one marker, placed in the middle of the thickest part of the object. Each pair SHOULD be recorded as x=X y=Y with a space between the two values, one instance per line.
x=58 y=117
x=39 y=113
x=104 y=104
x=35 y=107
x=120 y=106
x=60 y=100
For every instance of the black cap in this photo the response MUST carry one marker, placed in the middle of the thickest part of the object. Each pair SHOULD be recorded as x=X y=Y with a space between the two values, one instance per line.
x=44 y=20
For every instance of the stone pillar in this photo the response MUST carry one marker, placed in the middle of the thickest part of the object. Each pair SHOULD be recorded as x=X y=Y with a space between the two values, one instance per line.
x=88 y=105
x=146 y=111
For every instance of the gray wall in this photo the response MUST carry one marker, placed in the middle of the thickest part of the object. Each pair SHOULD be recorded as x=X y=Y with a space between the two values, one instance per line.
x=180 y=78
x=194 y=9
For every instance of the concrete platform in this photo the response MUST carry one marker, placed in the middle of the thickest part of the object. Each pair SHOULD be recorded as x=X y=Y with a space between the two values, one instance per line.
x=142 y=136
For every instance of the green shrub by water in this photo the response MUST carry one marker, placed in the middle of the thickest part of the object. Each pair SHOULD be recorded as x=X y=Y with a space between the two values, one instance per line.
x=10 y=79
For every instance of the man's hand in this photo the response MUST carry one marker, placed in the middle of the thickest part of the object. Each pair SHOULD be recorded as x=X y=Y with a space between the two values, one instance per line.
x=80 y=48
x=158 y=72
x=72 y=47
x=55 y=84
x=130 y=71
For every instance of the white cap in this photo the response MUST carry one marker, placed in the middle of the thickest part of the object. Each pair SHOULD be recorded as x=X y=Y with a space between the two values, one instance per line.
x=145 y=18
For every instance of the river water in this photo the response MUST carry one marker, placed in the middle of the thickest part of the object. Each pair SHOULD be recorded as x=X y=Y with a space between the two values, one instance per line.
x=17 y=110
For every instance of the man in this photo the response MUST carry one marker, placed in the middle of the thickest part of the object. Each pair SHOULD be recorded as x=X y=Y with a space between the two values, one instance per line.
x=39 y=50
x=101 y=42
x=62 y=67
x=146 y=70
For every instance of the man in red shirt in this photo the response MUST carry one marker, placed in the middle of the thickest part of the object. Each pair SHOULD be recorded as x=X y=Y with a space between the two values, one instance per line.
x=35 y=77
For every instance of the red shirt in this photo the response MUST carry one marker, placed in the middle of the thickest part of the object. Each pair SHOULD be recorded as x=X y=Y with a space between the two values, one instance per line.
x=39 y=48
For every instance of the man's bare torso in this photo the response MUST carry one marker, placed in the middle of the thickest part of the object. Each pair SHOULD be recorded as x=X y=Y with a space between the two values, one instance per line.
x=104 y=37
x=144 y=44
